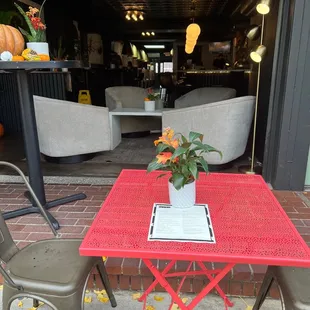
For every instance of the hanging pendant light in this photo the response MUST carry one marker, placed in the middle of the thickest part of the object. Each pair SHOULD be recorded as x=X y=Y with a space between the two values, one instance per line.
x=258 y=54
x=193 y=30
x=188 y=50
x=263 y=7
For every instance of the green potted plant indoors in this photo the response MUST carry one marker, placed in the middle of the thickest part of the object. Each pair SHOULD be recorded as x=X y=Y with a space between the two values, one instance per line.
x=37 y=30
x=150 y=100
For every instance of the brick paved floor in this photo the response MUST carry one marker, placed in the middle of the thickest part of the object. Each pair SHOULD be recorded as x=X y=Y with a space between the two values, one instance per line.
x=75 y=219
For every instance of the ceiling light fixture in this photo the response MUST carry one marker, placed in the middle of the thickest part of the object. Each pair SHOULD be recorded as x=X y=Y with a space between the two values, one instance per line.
x=143 y=33
x=128 y=16
x=141 y=17
x=193 y=30
x=147 y=33
x=153 y=33
x=154 y=46
x=134 y=17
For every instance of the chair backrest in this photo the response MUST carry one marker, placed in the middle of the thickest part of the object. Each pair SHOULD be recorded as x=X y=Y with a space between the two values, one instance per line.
x=125 y=97
x=204 y=95
x=7 y=246
x=225 y=125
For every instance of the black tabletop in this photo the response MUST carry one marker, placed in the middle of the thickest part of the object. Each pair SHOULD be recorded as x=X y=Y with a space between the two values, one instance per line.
x=28 y=65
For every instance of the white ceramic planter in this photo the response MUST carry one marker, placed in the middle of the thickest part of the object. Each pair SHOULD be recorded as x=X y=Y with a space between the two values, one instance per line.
x=39 y=47
x=183 y=198
x=149 y=106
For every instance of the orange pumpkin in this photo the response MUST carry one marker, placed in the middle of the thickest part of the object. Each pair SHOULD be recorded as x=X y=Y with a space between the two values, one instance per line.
x=11 y=40
x=1 y=130
x=18 y=58
x=44 y=57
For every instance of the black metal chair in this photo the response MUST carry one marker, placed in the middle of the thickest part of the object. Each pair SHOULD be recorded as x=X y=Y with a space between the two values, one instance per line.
x=51 y=271
x=294 y=287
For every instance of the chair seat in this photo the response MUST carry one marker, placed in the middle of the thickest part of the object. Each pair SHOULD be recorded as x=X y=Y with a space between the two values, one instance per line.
x=294 y=283
x=51 y=266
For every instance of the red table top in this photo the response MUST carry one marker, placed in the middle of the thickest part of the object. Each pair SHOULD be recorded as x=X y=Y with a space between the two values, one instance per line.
x=249 y=224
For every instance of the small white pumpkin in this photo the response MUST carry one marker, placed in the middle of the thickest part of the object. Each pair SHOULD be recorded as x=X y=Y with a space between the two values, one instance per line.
x=6 y=56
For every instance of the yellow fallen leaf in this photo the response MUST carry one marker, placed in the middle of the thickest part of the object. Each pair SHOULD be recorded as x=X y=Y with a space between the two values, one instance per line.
x=1 y=287
x=100 y=292
x=158 y=298
x=249 y=308
x=33 y=308
x=20 y=304
x=87 y=291
x=102 y=298
x=136 y=296
x=175 y=307
x=88 y=299
x=104 y=258
x=150 y=308
x=184 y=300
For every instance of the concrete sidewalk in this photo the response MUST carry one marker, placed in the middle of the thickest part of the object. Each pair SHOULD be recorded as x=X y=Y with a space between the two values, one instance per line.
x=125 y=302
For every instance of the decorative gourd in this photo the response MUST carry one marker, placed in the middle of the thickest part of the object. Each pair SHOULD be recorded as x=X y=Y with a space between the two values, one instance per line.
x=1 y=130
x=18 y=58
x=44 y=57
x=30 y=55
x=11 y=40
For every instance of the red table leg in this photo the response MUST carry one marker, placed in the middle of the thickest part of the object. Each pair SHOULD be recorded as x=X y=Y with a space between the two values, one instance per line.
x=213 y=283
x=161 y=279
x=221 y=293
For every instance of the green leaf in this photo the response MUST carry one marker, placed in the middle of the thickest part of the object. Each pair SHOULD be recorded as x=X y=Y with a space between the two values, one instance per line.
x=192 y=166
x=32 y=30
x=179 y=151
x=178 y=180
x=161 y=147
x=27 y=35
x=205 y=147
x=161 y=175
x=204 y=164
x=194 y=135
x=153 y=165
x=184 y=140
x=186 y=145
x=185 y=171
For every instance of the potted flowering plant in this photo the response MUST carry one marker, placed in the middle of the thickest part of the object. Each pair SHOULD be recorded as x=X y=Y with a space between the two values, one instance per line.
x=149 y=100
x=183 y=157
x=37 y=36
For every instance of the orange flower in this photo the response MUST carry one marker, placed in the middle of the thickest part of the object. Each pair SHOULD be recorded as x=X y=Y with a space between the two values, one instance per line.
x=168 y=132
x=163 y=157
x=167 y=137
x=174 y=143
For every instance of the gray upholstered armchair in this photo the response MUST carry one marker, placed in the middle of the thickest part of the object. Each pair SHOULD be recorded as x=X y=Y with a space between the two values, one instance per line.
x=68 y=128
x=204 y=95
x=225 y=125
x=131 y=97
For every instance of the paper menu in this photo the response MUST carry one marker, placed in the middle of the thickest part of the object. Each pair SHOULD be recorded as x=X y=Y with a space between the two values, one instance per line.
x=181 y=224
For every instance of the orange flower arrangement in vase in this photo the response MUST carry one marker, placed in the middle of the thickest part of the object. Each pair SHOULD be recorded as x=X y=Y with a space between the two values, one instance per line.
x=150 y=100
x=183 y=157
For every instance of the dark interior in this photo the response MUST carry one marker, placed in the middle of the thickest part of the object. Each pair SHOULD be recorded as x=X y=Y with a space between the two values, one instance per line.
x=220 y=21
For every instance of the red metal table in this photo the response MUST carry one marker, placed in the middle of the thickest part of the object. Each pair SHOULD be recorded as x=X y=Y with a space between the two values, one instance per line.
x=249 y=224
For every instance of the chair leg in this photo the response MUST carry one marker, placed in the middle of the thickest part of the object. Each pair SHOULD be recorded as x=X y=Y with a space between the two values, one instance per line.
x=106 y=283
x=263 y=292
